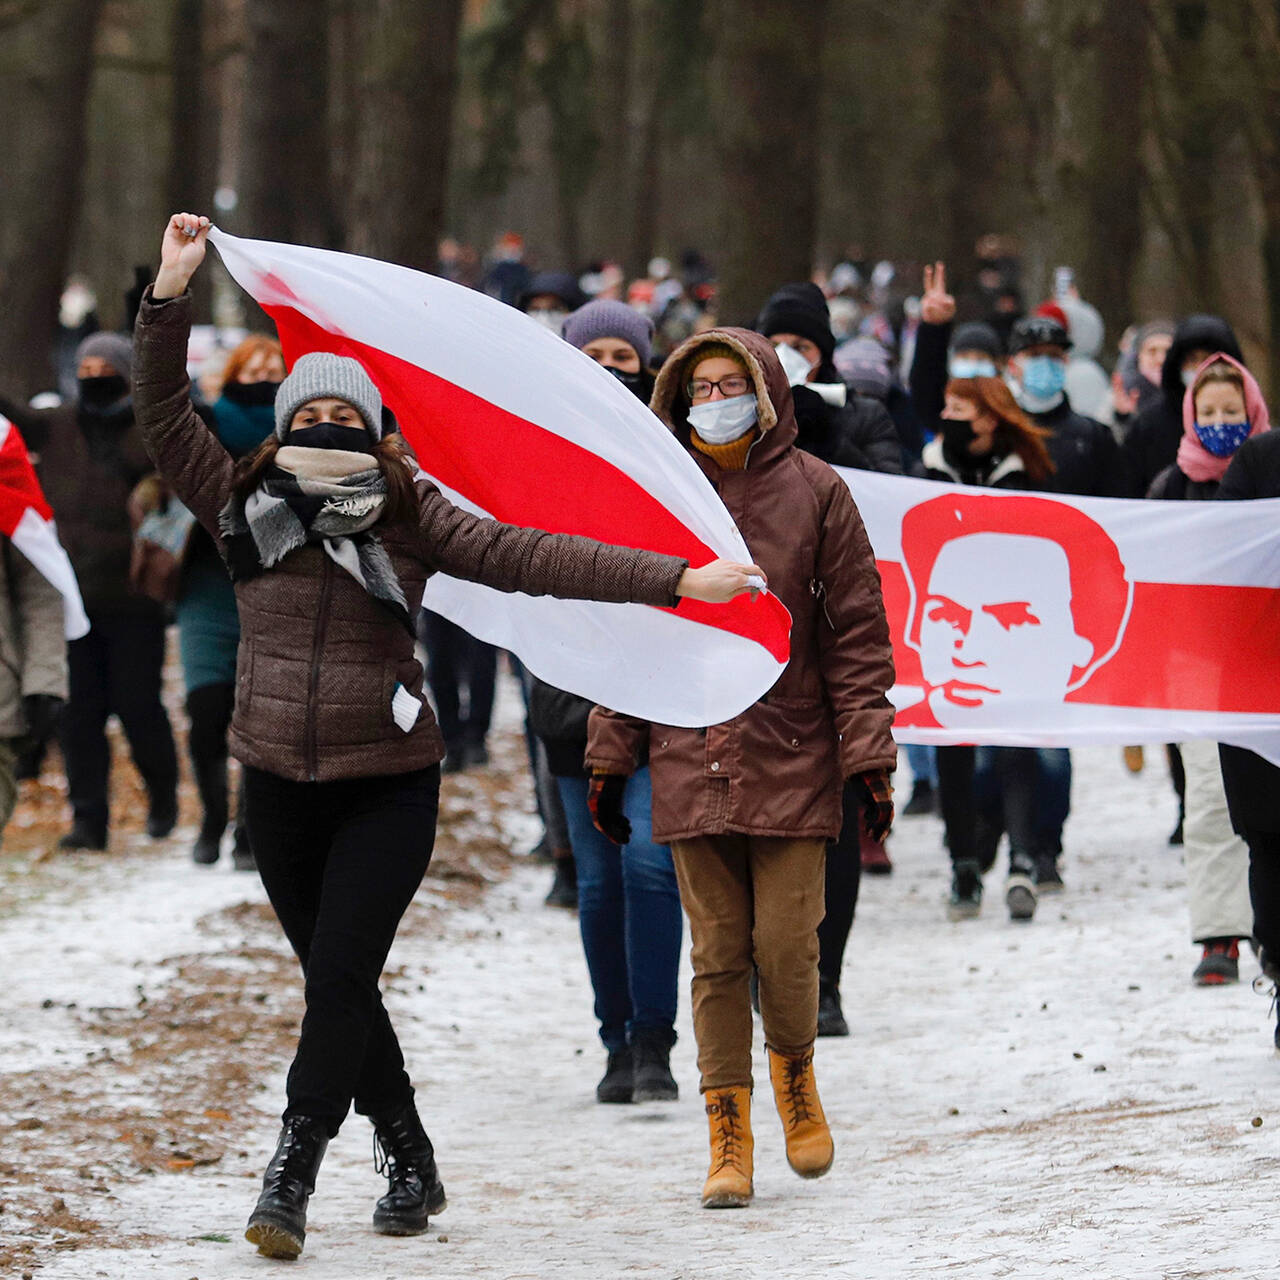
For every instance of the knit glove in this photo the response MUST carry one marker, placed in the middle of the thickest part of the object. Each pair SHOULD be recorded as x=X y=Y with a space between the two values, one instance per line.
x=604 y=799
x=877 y=802
x=41 y=711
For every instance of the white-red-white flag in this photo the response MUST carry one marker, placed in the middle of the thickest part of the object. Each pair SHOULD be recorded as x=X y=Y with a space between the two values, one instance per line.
x=27 y=521
x=514 y=423
x=1031 y=619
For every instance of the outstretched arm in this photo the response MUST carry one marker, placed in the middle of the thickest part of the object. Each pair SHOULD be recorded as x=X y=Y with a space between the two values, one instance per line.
x=188 y=454
x=510 y=558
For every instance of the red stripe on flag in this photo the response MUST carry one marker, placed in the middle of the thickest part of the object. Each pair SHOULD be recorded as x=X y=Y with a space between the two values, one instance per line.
x=1190 y=647
x=19 y=488
x=523 y=474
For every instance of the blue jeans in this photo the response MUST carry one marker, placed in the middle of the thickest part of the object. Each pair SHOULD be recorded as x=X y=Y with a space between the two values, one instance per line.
x=924 y=763
x=629 y=914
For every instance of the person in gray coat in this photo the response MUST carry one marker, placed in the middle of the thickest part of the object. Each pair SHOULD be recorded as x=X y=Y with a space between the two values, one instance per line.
x=33 y=664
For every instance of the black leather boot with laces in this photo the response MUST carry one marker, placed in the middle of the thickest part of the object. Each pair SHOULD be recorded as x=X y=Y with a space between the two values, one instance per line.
x=403 y=1152
x=278 y=1225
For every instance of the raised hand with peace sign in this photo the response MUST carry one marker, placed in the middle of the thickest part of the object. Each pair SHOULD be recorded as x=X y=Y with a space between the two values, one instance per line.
x=937 y=306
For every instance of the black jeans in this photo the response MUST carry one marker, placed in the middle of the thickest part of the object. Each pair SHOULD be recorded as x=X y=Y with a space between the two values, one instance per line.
x=210 y=708
x=456 y=660
x=844 y=876
x=1264 y=888
x=1017 y=773
x=116 y=669
x=341 y=862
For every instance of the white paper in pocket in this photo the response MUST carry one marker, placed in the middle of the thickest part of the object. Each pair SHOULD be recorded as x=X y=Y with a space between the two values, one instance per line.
x=405 y=708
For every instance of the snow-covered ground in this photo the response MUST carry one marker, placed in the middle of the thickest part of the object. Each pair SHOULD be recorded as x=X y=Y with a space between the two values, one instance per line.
x=1028 y=1101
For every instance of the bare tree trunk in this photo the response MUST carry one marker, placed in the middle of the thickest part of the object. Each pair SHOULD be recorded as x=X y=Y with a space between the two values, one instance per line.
x=284 y=183
x=409 y=60
x=193 y=129
x=1113 y=247
x=766 y=111
x=47 y=64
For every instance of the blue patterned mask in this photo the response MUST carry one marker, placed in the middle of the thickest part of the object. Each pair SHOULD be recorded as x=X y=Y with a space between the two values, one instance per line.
x=1222 y=439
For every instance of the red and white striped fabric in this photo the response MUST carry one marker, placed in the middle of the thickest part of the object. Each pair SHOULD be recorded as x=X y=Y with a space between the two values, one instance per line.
x=512 y=422
x=1040 y=620
x=27 y=521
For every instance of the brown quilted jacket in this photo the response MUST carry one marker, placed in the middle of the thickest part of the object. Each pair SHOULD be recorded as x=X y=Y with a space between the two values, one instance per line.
x=319 y=660
x=777 y=769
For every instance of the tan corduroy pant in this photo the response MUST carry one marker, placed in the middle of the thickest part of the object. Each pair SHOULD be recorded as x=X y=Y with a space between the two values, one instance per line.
x=751 y=898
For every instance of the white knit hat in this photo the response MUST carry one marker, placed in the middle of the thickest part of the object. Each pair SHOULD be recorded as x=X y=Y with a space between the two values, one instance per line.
x=320 y=375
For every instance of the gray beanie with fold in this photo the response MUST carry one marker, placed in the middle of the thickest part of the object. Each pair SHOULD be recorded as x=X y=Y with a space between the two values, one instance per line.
x=114 y=348
x=605 y=318
x=320 y=375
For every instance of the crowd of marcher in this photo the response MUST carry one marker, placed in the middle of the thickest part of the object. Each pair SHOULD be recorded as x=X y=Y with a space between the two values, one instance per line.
x=274 y=516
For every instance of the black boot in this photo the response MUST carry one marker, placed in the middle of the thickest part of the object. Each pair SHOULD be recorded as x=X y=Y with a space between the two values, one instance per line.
x=85 y=834
x=404 y=1153
x=242 y=851
x=211 y=782
x=564 y=885
x=831 y=1020
x=652 y=1080
x=162 y=817
x=278 y=1225
x=619 y=1080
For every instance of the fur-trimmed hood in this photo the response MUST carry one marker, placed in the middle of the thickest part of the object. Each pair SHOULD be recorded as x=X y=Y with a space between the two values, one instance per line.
x=774 y=408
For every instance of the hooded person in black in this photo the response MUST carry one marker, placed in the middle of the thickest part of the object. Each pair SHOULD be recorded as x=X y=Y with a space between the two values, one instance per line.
x=843 y=429
x=835 y=424
x=1151 y=443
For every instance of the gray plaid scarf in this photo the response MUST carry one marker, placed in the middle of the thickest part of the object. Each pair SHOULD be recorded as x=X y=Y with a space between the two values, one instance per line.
x=326 y=496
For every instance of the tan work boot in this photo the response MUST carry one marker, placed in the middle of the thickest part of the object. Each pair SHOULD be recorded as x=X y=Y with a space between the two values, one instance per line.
x=728 y=1184
x=810 y=1150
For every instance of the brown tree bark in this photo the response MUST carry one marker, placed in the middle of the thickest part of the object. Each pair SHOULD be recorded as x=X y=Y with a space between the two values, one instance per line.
x=284 y=186
x=47 y=65
x=766 y=110
x=409 y=62
x=1113 y=178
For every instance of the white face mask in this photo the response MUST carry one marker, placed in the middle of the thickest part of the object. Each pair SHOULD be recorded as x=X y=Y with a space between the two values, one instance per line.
x=552 y=320
x=794 y=365
x=723 y=421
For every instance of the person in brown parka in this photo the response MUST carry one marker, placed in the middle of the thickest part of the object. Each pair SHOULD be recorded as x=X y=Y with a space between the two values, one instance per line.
x=748 y=806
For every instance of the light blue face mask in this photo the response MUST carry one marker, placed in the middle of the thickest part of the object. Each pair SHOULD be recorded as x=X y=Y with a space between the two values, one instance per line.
x=1222 y=439
x=1043 y=377
x=970 y=367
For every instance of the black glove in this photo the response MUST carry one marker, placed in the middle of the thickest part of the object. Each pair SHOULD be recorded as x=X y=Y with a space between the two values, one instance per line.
x=604 y=799
x=41 y=711
x=877 y=802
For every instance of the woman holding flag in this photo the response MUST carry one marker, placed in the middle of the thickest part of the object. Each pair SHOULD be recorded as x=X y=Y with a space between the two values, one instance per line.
x=330 y=540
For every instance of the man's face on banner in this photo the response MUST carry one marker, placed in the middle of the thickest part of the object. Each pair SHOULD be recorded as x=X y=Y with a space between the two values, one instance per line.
x=990 y=637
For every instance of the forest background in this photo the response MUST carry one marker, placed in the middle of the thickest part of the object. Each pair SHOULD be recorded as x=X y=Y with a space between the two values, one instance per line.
x=1137 y=141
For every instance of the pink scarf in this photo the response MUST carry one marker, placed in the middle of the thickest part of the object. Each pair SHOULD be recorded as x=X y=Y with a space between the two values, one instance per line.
x=1194 y=460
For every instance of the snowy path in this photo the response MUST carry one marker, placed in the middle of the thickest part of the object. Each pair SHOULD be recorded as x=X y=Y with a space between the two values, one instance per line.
x=1039 y=1101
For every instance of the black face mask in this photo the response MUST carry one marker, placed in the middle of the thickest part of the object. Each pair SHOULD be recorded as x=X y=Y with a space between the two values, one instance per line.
x=639 y=384
x=957 y=436
x=101 y=393
x=250 y=394
x=329 y=435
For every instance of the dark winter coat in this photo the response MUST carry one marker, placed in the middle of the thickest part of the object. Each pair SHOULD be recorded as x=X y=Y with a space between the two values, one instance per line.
x=1151 y=442
x=1252 y=784
x=1085 y=457
x=993 y=470
x=1174 y=485
x=89 y=464
x=319 y=660
x=860 y=434
x=560 y=719
x=777 y=769
x=929 y=374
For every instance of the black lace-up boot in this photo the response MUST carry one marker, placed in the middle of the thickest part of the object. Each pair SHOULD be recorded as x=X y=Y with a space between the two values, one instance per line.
x=403 y=1152
x=278 y=1225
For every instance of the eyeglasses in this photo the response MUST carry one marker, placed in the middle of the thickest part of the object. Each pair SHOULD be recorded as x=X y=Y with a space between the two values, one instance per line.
x=736 y=384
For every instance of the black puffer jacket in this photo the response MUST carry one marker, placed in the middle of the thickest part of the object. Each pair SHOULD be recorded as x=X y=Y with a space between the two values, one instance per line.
x=861 y=434
x=1151 y=443
x=1085 y=457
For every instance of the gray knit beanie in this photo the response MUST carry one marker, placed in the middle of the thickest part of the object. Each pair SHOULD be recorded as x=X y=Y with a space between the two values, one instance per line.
x=320 y=375
x=114 y=348
x=605 y=318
